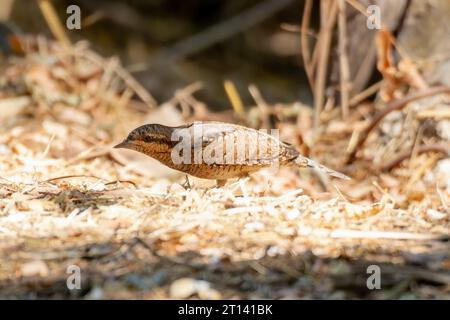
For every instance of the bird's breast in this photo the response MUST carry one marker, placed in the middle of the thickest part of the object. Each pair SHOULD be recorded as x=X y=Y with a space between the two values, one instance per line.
x=208 y=171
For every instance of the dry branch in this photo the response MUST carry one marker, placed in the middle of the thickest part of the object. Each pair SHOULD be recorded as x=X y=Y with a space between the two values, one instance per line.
x=53 y=22
x=392 y=106
x=419 y=150
x=328 y=20
x=306 y=54
x=344 y=70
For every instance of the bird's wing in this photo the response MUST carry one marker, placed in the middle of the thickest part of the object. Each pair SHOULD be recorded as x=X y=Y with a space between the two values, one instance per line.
x=232 y=144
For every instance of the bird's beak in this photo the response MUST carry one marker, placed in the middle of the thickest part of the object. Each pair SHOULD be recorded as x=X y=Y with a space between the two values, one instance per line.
x=124 y=144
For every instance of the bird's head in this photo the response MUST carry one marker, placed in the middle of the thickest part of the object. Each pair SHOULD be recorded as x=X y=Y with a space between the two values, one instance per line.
x=148 y=139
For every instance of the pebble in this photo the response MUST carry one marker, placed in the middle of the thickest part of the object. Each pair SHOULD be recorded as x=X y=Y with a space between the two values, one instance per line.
x=436 y=215
x=184 y=288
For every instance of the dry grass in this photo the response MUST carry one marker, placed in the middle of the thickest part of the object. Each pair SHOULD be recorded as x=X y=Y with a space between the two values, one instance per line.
x=67 y=198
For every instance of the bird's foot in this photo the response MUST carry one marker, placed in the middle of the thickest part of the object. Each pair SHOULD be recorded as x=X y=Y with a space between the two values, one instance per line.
x=186 y=185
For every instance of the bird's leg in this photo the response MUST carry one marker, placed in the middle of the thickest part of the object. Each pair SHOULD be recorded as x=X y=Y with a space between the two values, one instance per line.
x=186 y=184
x=220 y=182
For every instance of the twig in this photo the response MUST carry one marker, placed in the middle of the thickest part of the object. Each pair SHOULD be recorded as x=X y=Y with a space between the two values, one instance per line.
x=306 y=54
x=328 y=19
x=49 y=13
x=74 y=176
x=261 y=103
x=340 y=193
x=370 y=234
x=122 y=181
x=233 y=95
x=47 y=148
x=422 y=168
x=416 y=144
x=132 y=83
x=344 y=69
x=189 y=90
x=439 y=114
x=298 y=29
x=129 y=80
x=92 y=19
x=358 y=7
x=392 y=106
x=419 y=150
x=356 y=99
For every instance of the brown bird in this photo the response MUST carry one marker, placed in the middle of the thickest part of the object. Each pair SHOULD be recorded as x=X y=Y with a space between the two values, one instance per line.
x=216 y=150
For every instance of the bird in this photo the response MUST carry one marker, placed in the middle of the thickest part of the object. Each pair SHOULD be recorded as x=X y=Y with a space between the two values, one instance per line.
x=217 y=150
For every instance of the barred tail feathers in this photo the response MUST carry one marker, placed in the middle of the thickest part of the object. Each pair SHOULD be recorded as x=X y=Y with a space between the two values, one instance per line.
x=305 y=162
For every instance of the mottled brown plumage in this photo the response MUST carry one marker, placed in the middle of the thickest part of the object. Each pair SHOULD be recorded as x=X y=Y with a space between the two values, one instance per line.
x=216 y=150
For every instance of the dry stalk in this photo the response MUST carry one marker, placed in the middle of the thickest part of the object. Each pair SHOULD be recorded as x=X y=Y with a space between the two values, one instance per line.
x=344 y=70
x=306 y=54
x=328 y=20
x=50 y=15
x=419 y=150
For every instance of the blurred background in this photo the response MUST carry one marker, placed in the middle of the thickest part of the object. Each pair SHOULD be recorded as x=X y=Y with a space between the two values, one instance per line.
x=360 y=86
x=158 y=41
x=246 y=41
x=168 y=45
